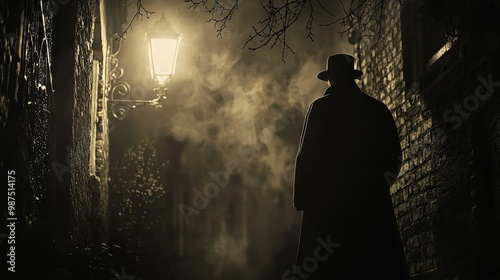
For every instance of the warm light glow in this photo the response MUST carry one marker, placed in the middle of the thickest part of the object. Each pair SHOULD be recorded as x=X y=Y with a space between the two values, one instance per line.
x=162 y=55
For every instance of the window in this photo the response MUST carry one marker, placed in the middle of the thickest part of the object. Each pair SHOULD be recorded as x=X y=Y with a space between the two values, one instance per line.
x=431 y=56
x=422 y=39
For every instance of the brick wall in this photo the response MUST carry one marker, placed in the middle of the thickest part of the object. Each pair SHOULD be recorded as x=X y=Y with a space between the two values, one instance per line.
x=446 y=195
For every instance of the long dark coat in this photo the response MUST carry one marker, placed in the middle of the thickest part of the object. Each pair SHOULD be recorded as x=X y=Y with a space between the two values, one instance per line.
x=349 y=154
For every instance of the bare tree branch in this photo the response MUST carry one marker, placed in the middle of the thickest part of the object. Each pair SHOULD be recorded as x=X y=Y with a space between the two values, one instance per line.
x=273 y=29
x=220 y=13
x=139 y=15
x=361 y=18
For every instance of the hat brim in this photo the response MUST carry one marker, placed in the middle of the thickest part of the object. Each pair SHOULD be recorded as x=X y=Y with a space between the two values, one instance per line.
x=324 y=75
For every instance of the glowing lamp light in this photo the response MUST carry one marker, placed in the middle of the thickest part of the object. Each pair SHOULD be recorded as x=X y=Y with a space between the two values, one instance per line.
x=162 y=57
x=163 y=46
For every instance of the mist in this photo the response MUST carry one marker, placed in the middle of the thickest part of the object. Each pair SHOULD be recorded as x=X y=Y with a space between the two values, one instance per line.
x=229 y=105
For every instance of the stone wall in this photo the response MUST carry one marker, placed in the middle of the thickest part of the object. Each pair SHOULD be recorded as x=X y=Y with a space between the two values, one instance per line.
x=83 y=197
x=24 y=114
x=46 y=81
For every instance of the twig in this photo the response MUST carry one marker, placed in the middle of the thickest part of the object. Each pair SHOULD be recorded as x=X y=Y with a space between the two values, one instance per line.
x=137 y=16
x=363 y=17
x=219 y=12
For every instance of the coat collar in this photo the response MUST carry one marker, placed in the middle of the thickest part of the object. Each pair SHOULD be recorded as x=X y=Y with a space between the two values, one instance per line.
x=350 y=88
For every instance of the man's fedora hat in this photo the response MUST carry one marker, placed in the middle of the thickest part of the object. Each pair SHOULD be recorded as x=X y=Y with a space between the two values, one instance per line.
x=339 y=66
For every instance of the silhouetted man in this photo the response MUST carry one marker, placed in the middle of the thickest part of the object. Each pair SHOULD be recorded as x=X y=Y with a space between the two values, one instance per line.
x=349 y=154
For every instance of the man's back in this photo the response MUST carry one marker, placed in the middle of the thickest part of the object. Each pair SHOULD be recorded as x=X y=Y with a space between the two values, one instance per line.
x=349 y=143
x=350 y=138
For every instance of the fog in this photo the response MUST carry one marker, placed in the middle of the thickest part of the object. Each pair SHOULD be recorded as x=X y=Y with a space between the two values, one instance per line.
x=230 y=105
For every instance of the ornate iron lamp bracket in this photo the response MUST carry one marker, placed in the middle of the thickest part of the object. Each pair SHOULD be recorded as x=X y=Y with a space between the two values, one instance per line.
x=118 y=90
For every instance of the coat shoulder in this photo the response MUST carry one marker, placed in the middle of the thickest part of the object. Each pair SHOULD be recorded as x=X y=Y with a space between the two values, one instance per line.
x=376 y=105
x=319 y=104
x=373 y=100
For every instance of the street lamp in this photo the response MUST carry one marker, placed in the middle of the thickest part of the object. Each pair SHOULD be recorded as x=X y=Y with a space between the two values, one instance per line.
x=162 y=58
x=163 y=46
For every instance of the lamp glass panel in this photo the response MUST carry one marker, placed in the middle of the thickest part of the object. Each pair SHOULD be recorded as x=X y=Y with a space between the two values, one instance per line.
x=163 y=55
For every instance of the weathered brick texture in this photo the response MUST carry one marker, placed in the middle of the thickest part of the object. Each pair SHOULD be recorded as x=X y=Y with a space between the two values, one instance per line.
x=447 y=194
